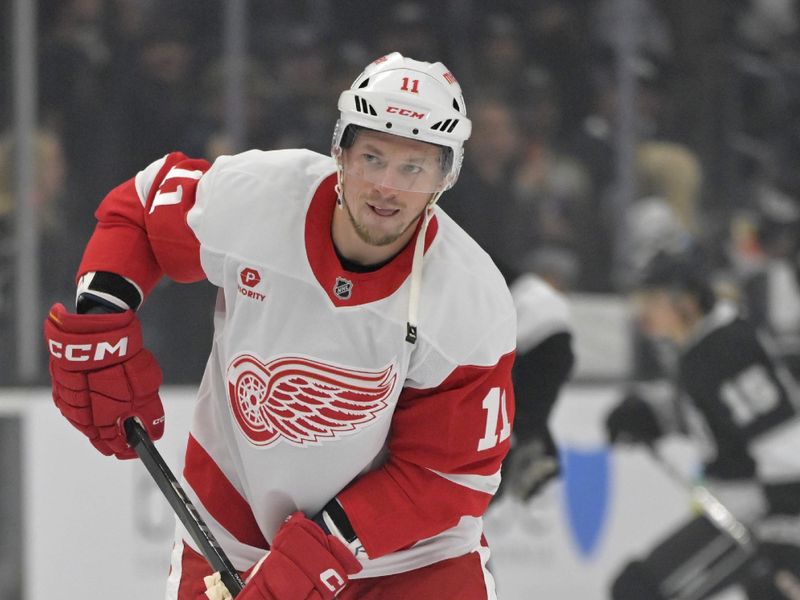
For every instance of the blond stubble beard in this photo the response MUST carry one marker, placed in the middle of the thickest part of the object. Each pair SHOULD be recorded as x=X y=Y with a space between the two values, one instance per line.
x=366 y=236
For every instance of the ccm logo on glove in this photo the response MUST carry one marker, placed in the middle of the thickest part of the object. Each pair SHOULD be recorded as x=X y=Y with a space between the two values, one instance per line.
x=84 y=352
x=102 y=376
x=332 y=580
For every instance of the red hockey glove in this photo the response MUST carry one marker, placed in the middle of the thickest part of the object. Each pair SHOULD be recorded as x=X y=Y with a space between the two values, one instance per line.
x=304 y=563
x=101 y=376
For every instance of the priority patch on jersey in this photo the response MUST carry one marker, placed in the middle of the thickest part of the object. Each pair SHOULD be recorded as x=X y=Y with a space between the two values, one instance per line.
x=249 y=284
x=303 y=401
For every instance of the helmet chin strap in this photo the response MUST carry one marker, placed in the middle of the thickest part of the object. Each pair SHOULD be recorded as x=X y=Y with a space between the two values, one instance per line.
x=338 y=186
x=416 y=271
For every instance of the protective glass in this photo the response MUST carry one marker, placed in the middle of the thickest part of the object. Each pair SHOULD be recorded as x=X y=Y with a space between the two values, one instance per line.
x=403 y=166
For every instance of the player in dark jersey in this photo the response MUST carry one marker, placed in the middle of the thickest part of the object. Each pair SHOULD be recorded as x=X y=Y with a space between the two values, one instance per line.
x=543 y=365
x=736 y=400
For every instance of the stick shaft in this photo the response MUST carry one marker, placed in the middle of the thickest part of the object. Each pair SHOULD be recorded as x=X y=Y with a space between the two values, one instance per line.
x=723 y=519
x=714 y=510
x=140 y=441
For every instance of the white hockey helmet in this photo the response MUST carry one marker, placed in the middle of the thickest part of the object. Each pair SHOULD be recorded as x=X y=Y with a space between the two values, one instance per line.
x=412 y=99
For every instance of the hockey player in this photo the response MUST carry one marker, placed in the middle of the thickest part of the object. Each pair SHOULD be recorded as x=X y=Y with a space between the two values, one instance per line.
x=544 y=362
x=740 y=405
x=537 y=276
x=357 y=402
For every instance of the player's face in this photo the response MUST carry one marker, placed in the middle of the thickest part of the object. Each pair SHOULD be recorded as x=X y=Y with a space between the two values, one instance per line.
x=659 y=315
x=388 y=181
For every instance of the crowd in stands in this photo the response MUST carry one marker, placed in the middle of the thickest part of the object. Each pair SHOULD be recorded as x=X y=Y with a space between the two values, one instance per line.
x=122 y=82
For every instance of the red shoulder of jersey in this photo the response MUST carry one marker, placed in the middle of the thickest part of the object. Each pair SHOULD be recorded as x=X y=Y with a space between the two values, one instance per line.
x=445 y=451
x=142 y=232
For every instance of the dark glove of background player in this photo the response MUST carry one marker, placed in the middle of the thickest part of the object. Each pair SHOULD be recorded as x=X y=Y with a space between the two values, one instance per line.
x=539 y=375
x=530 y=465
x=633 y=421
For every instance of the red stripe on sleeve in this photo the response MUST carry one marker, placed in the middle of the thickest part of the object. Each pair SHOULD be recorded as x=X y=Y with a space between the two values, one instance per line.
x=442 y=429
x=119 y=243
x=174 y=244
x=143 y=243
x=406 y=503
x=219 y=497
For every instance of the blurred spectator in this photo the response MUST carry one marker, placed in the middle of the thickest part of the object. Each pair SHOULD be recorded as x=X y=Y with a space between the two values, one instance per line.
x=664 y=217
x=672 y=172
x=594 y=142
x=483 y=202
x=772 y=284
x=769 y=24
x=348 y=57
x=304 y=109
x=207 y=136
x=643 y=19
x=556 y=266
x=59 y=253
x=50 y=176
x=155 y=103
x=520 y=186
x=503 y=60
x=664 y=169
x=414 y=28
x=558 y=38
x=409 y=29
x=74 y=70
x=653 y=227
x=553 y=189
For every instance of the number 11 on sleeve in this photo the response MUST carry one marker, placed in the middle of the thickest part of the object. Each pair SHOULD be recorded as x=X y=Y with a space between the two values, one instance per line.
x=496 y=416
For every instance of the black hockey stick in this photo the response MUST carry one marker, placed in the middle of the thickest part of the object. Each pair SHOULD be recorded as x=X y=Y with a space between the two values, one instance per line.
x=724 y=520
x=140 y=441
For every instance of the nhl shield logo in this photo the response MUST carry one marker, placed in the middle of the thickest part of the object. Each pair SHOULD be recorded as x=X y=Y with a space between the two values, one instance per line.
x=343 y=288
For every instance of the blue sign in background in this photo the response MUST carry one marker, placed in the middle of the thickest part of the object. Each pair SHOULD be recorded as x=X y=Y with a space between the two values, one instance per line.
x=586 y=476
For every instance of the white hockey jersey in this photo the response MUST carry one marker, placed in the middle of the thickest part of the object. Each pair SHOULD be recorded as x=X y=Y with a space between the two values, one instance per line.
x=541 y=311
x=311 y=391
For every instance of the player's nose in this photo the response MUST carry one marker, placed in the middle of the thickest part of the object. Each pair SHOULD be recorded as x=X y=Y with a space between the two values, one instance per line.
x=385 y=190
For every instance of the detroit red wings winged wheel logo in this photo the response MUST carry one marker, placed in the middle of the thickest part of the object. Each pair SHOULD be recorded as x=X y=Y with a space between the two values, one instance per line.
x=304 y=401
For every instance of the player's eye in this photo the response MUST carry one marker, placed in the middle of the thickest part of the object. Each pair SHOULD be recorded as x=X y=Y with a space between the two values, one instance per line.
x=411 y=169
x=371 y=159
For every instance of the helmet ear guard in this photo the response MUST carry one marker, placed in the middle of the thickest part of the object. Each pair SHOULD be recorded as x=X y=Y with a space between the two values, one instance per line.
x=348 y=135
x=408 y=98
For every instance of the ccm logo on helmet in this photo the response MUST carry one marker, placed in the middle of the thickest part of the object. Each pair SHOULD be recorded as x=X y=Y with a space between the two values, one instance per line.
x=405 y=112
x=85 y=352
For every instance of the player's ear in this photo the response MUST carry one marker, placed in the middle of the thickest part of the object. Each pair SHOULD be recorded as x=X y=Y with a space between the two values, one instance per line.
x=343 y=156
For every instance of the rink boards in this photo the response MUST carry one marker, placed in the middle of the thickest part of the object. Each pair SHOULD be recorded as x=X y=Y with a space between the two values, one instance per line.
x=93 y=524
